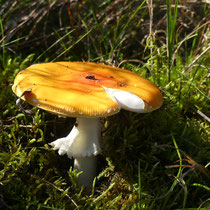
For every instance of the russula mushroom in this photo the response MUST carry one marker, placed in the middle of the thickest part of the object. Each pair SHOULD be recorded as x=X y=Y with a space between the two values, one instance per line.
x=86 y=91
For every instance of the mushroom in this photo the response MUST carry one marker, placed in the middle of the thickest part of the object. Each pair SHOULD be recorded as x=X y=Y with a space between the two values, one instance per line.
x=86 y=91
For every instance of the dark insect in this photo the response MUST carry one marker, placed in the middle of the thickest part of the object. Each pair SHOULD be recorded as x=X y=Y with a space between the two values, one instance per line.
x=90 y=76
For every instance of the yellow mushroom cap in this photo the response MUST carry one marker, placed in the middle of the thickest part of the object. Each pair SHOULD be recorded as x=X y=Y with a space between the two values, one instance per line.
x=82 y=89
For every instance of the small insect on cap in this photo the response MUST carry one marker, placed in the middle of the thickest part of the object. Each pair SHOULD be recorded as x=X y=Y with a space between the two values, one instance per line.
x=81 y=89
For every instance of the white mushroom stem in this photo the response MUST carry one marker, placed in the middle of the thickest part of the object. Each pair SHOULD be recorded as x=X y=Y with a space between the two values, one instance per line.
x=83 y=144
x=87 y=166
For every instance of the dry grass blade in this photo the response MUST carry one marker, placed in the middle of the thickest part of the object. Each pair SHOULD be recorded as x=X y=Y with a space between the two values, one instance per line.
x=203 y=115
x=3 y=203
x=151 y=34
x=40 y=15
x=206 y=201
x=192 y=164
x=196 y=59
x=186 y=38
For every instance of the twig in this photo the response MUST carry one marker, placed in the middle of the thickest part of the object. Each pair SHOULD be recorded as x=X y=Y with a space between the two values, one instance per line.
x=195 y=166
x=176 y=166
x=190 y=65
x=57 y=188
x=203 y=203
x=130 y=60
x=190 y=34
x=170 y=190
x=3 y=203
x=203 y=115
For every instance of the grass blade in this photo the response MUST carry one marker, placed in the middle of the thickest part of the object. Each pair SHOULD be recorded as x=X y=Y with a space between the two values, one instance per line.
x=3 y=46
x=171 y=25
x=82 y=37
x=125 y=27
x=178 y=174
x=139 y=183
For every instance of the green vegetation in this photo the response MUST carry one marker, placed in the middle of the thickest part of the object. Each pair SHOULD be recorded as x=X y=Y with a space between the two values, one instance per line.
x=158 y=160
